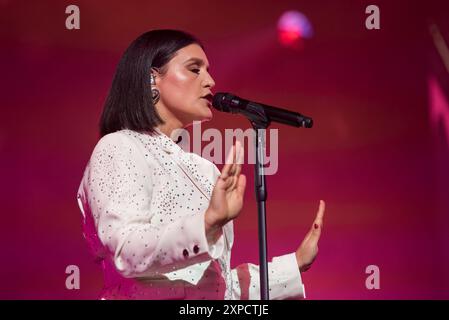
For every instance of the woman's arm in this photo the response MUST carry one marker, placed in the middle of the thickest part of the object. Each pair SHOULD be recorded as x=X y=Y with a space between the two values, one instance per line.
x=284 y=280
x=284 y=273
x=119 y=190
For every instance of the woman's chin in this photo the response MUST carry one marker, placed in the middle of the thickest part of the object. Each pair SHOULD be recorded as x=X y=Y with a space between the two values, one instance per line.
x=201 y=114
x=206 y=116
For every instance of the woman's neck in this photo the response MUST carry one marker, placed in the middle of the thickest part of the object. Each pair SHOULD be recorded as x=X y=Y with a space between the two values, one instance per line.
x=168 y=127
x=170 y=121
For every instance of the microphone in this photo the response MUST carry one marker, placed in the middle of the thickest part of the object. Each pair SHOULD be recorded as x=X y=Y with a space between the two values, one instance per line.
x=228 y=102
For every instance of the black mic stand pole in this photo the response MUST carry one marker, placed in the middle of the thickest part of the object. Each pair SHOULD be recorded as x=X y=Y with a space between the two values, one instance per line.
x=261 y=196
x=260 y=122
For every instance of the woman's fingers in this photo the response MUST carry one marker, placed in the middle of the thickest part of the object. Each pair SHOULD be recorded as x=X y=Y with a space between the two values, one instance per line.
x=320 y=214
x=225 y=172
x=236 y=158
x=233 y=160
x=235 y=177
x=241 y=185
x=318 y=223
x=237 y=167
x=239 y=152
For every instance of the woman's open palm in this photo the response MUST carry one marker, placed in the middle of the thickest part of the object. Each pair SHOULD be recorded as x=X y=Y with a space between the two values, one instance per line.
x=227 y=197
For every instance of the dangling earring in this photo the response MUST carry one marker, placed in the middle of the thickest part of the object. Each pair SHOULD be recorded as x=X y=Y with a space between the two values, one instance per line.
x=155 y=94
x=152 y=80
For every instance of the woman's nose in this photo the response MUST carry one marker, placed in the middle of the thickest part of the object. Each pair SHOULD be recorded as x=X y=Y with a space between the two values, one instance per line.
x=209 y=81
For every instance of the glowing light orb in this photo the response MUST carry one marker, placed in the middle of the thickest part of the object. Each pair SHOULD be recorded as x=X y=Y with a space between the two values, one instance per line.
x=293 y=27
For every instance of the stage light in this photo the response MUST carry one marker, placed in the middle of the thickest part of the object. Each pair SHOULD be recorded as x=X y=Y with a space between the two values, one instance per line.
x=293 y=28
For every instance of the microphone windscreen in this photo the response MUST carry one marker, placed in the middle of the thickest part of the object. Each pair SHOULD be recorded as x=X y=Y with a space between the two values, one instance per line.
x=219 y=101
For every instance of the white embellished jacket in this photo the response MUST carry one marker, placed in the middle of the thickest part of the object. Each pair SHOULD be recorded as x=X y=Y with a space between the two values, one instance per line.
x=143 y=200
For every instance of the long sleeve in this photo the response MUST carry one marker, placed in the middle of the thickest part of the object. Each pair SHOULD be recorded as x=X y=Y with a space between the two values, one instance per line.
x=284 y=280
x=140 y=234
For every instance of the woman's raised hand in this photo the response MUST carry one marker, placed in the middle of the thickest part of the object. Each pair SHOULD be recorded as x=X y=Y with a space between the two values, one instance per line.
x=308 y=249
x=227 y=197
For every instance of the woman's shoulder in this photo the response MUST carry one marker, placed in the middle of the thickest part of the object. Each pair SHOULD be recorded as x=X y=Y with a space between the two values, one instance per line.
x=115 y=142
x=127 y=143
x=121 y=138
x=114 y=137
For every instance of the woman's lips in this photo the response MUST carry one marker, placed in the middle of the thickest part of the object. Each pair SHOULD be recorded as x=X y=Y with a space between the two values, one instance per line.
x=208 y=101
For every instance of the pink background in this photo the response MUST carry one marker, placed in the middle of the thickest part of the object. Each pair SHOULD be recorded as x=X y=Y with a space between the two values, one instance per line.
x=374 y=155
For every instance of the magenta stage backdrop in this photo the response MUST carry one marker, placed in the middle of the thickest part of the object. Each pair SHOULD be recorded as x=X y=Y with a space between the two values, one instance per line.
x=377 y=154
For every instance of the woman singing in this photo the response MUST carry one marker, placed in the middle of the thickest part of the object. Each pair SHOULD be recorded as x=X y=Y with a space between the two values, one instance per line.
x=158 y=218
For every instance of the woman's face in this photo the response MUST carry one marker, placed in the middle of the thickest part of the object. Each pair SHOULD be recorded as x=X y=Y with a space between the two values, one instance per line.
x=184 y=86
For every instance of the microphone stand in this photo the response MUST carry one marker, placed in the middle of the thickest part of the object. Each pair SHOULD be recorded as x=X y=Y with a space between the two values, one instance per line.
x=260 y=122
x=261 y=196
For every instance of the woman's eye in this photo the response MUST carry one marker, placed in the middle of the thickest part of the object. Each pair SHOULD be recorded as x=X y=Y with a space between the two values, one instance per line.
x=195 y=70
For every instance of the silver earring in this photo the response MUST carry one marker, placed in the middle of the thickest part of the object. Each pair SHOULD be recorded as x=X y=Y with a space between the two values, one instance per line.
x=155 y=95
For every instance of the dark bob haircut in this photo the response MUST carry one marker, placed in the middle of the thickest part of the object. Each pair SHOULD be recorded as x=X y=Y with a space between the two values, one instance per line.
x=129 y=104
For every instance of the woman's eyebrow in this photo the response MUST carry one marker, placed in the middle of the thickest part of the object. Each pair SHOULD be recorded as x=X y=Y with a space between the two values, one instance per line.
x=199 y=61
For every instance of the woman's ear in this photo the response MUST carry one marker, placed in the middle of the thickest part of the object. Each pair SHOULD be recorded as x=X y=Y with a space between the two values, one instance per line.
x=155 y=74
